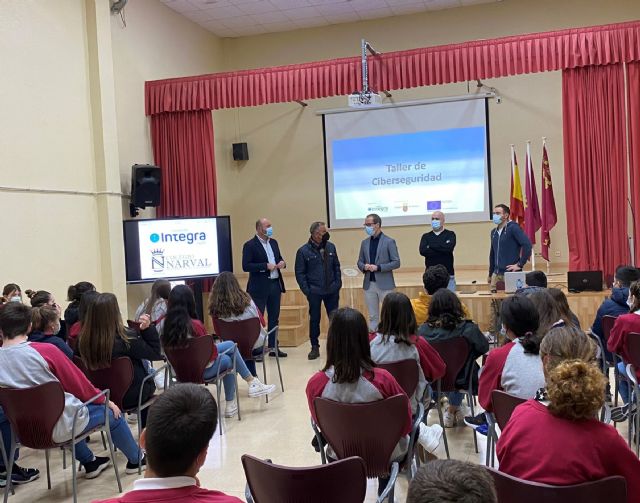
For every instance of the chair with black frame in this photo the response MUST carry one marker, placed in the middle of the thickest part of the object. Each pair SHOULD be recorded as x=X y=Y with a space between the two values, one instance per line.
x=245 y=333
x=370 y=431
x=633 y=352
x=503 y=406
x=118 y=379
x=34 y=425
x=510 y=489
x=607 y=324
x=454 y=353
x=190 y=361
x=344 y=481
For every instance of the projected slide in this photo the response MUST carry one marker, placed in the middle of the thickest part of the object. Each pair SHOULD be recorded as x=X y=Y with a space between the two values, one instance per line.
x=409 y=174
x=404 y=163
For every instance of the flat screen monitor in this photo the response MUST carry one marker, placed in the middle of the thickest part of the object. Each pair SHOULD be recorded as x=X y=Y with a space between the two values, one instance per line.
x=177 y=248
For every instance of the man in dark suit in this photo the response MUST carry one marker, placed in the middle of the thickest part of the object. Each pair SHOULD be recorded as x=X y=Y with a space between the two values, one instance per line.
x=262 y=260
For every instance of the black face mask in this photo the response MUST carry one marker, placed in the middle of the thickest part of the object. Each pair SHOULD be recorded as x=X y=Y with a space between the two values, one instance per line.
x=325 y=238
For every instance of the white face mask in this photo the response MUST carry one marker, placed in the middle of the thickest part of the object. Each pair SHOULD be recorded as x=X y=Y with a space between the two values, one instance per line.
x=630 y=302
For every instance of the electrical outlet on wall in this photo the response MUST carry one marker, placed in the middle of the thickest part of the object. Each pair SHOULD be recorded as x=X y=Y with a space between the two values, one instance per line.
x=557 y=254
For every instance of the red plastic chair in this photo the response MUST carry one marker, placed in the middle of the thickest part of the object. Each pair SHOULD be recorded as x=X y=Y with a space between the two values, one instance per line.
x=190 y=361
x=245 y=333
x=633 y=365
x=607 y=325
x=370 y=431
x=510 y=489
x=344 y=481
x=503 y=406
x=34 y=425
x=454 y=353
x=118 y=378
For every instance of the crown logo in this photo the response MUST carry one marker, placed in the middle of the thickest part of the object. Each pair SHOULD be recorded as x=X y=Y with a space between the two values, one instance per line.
x=157 y=251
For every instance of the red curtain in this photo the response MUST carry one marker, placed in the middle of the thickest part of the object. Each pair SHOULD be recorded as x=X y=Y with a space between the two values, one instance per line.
x=633 y=86
x=183 y=148
x=482 y=59
x=595 y=167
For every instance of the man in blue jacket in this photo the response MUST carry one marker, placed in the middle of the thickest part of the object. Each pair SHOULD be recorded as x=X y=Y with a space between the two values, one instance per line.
x=510 y=246
x=318 y=275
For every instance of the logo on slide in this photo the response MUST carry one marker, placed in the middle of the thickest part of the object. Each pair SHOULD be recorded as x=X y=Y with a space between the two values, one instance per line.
x=157 y=259
x=154 y=238
x=186 y=237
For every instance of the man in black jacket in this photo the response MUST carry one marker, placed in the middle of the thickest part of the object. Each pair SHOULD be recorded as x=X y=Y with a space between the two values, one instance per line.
x=437 y=247
x=319 y=278
x=261 y=258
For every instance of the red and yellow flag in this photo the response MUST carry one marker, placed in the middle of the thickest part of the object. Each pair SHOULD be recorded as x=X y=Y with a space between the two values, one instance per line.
x=517 y=199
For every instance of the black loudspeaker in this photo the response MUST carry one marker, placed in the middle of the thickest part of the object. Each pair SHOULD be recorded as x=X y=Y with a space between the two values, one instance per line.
x=240 y=152
x=146 y=181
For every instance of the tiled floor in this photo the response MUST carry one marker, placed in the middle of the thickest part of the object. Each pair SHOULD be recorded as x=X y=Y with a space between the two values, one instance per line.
x=279 y=430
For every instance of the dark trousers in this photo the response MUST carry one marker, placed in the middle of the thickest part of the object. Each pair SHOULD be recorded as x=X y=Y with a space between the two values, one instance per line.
x=315 y=303
x=5 y=428
x=269 y=304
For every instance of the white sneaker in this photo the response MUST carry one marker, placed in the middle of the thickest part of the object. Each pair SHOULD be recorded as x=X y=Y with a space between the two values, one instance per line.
x=256 y=388
x=158 y=380
x=231 y=408
x=429 y=436
x=449 y=419
x=132 y=418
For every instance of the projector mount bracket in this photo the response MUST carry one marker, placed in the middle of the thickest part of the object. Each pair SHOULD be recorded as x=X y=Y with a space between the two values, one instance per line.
x=365 y=93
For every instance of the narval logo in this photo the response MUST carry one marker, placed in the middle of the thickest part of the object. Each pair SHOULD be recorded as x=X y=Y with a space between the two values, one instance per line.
x=157 y=260
x=185 y=237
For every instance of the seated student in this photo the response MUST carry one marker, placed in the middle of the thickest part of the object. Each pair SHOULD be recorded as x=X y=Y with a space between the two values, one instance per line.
x=181 y=323
x=446 y=321
x=535 y=280
x=566 y=314
x=451 y=481
x=396 y=340
x=616 y=304
x=87 y=299
x=516 y=367
x=45 y=324
x=74 y=294
x=548 y=311
x=11 y=293
x=25 y=364
x=625 y=325
x=433 y=279
x=181 y=423
x=556 y=438
x=229 y=302
x=39 y=298
x=104 y=337
x=350 y=376
x=156 y=304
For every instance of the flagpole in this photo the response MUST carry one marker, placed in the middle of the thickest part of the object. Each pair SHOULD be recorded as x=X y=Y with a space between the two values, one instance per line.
x=530 y=173
x=544 y=144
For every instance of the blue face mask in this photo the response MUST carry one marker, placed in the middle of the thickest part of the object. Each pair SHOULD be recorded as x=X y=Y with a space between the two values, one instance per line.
x=368 y=230
x=269 y=232
x=435 y=224
x=497 y=219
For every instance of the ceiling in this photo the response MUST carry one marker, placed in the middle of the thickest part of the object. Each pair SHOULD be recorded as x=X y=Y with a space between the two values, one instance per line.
x=239 y=18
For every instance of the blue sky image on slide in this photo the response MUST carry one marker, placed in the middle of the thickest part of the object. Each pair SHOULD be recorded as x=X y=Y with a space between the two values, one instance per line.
x=459 y=154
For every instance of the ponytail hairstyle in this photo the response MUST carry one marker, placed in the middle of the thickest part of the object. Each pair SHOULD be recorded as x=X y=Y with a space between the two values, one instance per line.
x=445 y=310
x=575 y=389
x=565 y=343
x=43 y=317
x=520 y=316
x=634 y=292
x=397 y=318
x=178 y=324
x=75 y=292
x=38 y=297
x=160 y=289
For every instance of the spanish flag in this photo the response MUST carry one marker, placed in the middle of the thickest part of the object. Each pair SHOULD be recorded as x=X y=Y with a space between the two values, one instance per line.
x=517 y=199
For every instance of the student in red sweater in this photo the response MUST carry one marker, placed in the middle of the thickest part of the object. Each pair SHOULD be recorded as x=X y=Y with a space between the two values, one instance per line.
x=558 y=439
x=180 y=426
x=515 y=367
x=625 y=324
x=350 y=376
x=181 y=324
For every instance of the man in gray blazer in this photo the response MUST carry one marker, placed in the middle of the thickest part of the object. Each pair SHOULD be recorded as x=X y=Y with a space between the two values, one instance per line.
x=378 y=258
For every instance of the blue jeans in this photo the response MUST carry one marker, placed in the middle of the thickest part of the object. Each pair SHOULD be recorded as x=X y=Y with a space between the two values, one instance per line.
x=455 y=398
x=452 y=284
x=120 y=434
x=225 y=362
x=623 y=385
x=5 y=428
x=331 y=302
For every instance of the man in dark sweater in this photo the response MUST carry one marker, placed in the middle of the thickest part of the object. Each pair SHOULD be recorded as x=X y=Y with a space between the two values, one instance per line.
x=437 y=247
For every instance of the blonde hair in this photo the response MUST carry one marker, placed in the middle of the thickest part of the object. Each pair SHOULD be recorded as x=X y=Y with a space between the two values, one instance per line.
x=575 y=389
x=42 y=317
x=565 y=343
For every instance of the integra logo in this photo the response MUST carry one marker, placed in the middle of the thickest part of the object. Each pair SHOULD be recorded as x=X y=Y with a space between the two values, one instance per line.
x=186 y=237
x=157 y=260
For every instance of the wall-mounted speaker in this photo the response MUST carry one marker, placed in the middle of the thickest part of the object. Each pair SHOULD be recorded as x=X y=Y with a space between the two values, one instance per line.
x=240 y=152
x=146 y=182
